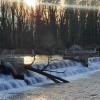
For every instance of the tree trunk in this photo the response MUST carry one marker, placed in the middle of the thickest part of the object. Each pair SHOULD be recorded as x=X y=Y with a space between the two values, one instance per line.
x=52 y=77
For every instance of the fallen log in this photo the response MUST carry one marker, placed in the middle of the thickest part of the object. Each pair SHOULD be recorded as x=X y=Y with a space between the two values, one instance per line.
x=52 y=77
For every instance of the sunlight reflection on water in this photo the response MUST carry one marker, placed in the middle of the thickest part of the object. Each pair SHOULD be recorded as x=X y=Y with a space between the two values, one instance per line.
x=39 y=58
x=37 y=97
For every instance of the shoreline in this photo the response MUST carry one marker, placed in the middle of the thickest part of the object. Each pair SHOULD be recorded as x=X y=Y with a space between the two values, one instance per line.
x=86 y=88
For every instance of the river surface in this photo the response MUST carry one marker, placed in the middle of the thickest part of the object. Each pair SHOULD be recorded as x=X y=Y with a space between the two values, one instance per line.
x=28 y=58
x=38 y=58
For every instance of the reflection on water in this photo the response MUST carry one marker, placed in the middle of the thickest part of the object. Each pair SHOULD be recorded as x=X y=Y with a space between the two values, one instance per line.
x=39 y=98
x=28 y=59
x=39 y=58
x=36 y=97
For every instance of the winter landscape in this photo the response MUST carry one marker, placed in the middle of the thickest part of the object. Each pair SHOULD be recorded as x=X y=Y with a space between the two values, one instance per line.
x=49 y=49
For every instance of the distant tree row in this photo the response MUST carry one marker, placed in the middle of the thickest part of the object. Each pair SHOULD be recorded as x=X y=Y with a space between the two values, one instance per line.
x=47 y=27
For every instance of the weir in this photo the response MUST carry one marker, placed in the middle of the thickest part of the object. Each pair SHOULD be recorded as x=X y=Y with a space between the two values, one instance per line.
x=14 y=66
x=62 y=69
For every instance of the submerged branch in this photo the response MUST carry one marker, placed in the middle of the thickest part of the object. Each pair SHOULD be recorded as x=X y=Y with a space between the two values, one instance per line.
x=55 y=71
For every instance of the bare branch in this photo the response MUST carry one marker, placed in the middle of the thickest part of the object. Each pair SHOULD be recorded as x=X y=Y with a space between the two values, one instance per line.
x=55 y=71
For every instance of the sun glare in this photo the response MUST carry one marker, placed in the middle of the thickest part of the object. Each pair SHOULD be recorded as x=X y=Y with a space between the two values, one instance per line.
x=30 y=2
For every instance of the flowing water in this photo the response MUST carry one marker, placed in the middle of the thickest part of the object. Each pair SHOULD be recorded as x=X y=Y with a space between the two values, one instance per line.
x=62 y=68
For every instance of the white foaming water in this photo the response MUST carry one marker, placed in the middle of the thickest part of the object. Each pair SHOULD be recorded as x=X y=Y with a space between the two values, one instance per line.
x=7 y=82
x=66 y=69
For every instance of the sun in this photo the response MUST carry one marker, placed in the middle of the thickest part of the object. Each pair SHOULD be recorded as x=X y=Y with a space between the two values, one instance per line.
x=30 y=2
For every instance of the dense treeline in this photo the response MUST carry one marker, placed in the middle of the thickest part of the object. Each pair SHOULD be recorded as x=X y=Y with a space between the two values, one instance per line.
x=47 y=27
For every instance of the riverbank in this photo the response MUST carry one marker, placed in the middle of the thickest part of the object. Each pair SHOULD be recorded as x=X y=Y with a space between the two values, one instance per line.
x=87 y=88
